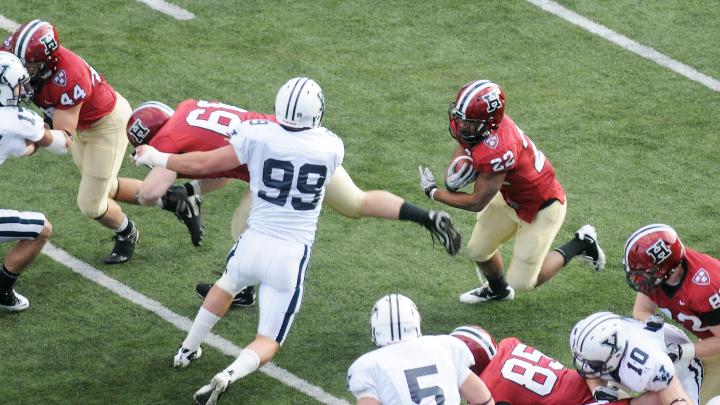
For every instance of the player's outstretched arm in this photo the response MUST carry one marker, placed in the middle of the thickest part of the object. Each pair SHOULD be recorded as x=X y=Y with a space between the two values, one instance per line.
x=486 y=186
x=196 y=163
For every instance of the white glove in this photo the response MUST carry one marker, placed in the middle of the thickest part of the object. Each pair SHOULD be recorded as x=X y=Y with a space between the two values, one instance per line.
x=457 y=179
x=149 y=156
x=681 y=354
x=654 y=322
x=427 y=181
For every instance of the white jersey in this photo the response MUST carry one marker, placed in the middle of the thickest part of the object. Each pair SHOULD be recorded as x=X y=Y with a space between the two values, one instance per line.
x=17 y=125
x=427 y=370
x=288 y=174
x=647 y=367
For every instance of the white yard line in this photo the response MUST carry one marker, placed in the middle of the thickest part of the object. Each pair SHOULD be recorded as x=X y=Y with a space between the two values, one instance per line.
x=183 y=323
x=172 y=10
x=627 y=43
x=8 y=25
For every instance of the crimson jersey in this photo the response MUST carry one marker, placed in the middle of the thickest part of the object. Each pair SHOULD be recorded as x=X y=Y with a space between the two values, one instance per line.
x=199 y=126
x=521 y=375
x=695 y=302
x=530 y=179
x=74 y=82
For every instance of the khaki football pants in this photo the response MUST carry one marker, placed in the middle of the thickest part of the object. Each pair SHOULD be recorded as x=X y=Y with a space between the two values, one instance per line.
x=498 y=223
x=98 y=152
x=342 y=195
x=711 y=380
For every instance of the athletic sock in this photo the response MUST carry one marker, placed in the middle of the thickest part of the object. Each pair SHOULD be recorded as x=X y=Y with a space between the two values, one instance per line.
x=204 y=321
x=7 y=280
x=247 y=362
x=410 y=212
x=497 y=284
x=126 y=230
x=123 y=225
x=571 y=249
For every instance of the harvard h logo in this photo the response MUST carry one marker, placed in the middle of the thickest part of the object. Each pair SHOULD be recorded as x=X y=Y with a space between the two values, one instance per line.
x=659 y=251
x=493 y=101
x=138 y=131
x=50 y=43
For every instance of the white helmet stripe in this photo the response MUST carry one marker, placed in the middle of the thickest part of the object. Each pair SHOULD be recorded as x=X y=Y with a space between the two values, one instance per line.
x=24 y=37
x=478 y=337
x=155 y=104
x=592 y=322
x=469 y=94
x=296 y=95
x=642 y=232
x=390 y=311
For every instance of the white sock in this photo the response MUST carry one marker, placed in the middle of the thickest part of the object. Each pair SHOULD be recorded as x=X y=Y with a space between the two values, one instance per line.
x=123 y=225
x=247 y=362
x=204 y=321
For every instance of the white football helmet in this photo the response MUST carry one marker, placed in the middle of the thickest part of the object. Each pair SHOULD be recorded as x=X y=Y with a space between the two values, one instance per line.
x=14 y=80
x=300 y=103
x=394 y=319
x=598 y=344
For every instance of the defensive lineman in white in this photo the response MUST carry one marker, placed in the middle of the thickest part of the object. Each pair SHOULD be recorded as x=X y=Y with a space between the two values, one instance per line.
x=609 y=348
x=290 y=164
x=408 y=368
x=21 y=132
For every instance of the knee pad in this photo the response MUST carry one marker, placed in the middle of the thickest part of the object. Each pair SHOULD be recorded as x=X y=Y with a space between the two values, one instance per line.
x=522 y=274
x=92 y=207
x=478 y=252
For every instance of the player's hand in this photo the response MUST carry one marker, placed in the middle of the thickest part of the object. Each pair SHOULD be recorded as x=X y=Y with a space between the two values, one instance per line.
x=149 y=156
x=605 y=393
x=427 y=181
x=681 y=354
x=654 y=322
x=460 y=173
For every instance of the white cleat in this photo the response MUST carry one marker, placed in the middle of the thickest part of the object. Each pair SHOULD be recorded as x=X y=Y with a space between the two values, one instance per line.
x=211 y=393
x=485 y=294
x=593 y=253
x=183 y=357
x=15 y=303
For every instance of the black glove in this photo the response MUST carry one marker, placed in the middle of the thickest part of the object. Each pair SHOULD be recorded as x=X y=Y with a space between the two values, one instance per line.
x=605 y=393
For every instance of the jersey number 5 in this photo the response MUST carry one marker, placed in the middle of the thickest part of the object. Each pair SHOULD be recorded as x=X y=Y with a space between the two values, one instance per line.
x=284 y=184
x=417 y=393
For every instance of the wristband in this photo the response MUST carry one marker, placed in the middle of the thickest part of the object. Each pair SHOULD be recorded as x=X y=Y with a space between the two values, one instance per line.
x=161 y=159
x=688 y=351
x=432 y=193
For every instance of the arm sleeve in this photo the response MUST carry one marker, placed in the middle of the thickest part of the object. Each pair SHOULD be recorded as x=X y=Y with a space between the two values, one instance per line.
x=711 y=318
x=241 y=144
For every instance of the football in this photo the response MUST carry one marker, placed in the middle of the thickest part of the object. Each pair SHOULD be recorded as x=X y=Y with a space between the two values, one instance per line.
x=460 y=173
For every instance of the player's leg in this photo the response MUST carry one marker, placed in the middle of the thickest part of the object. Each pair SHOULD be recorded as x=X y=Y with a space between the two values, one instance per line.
x=530 y=265
x=281 y=292
x=584 y=245
x=35 y=231
x=101 y=153
x=343 y=196
x=493 y=227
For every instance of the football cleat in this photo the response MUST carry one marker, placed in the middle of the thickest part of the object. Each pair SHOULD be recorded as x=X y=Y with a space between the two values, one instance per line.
x=183 y=357
x=124 y=247
x=445 y=232
x=188 y=211
x=13 y=301
x=593 y=253
x=484 y=294
x=210 y=394
x=244 y=298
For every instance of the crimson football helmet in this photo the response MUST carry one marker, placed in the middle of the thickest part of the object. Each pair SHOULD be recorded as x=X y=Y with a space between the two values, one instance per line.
x=481 y=345
x=477 y=111
x=34 y=43
x=146 y=121
x=652 y=253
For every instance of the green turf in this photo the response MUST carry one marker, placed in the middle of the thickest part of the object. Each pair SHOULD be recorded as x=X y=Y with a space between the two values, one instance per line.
x=632 y=143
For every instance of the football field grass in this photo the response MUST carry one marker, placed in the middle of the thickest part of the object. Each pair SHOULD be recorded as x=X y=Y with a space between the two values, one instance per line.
x=632 y=143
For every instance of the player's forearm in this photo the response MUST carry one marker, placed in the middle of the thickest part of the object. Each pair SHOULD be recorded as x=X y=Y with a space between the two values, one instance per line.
x=468 y=202
x=195 y=163
x=707 y=347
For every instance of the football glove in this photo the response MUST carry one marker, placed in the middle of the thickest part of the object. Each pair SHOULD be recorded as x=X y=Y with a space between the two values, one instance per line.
x=456 y=180
x=605 y=393
x=654 y=323
x=681 y=354
x=427 y=181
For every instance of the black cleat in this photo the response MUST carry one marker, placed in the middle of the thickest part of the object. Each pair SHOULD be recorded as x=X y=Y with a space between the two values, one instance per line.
x=124 y=247
x=245 y=298
x=187 y=210
x=445 y=232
